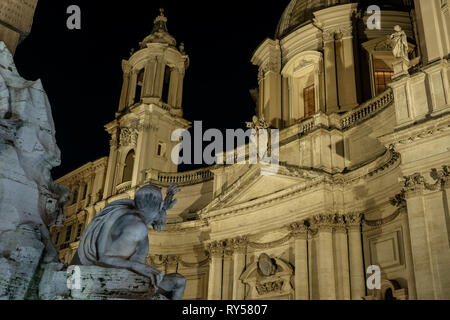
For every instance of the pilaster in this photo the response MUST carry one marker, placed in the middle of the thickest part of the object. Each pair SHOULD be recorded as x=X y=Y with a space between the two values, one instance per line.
x=300 y=233
x=357 y=277
x=215 y=250
x=326 y=268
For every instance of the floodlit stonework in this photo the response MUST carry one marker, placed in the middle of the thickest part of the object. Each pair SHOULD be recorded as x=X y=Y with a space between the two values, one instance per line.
x=364 y=152
x=16 y=18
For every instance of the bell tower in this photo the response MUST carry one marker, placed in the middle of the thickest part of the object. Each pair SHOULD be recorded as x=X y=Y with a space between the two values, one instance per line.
x=155 y=73
x=150 y=110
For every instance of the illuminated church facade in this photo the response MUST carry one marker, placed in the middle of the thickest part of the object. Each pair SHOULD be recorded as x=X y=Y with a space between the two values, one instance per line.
x=364 y=155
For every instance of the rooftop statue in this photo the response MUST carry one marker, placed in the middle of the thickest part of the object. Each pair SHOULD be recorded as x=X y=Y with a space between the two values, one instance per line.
x=118 y=238
x=399 y=43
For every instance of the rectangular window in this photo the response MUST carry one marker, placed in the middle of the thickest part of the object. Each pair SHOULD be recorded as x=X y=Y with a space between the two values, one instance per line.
x=161 y=151
x=68 y=234
x=166 y=84
x=79 y=231
x=382 y=78
x=310 y=101
x=383 y=75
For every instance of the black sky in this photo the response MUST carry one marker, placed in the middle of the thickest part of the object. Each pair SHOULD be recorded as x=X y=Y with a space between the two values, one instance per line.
x=81 y=70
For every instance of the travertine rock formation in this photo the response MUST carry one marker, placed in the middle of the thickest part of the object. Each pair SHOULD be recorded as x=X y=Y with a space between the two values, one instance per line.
x=29 y=200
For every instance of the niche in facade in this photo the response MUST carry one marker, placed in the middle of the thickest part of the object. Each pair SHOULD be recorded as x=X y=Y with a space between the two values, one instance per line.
x=129 y=167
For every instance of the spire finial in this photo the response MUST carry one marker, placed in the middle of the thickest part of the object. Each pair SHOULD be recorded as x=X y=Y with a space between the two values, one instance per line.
x=161 y=12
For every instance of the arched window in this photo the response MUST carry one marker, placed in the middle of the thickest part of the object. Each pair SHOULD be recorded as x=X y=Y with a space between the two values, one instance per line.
x=129 y=167
x=309 y=100
x=84 y=195
x=389 y=295
x=75 y=196
x=139 y=85
x=166 y=84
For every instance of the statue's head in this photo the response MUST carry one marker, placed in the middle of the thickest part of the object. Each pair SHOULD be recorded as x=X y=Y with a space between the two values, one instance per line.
x=150 y=202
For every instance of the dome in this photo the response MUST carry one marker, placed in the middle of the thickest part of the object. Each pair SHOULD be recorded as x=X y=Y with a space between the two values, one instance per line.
x=300 y=12
x=160 y=33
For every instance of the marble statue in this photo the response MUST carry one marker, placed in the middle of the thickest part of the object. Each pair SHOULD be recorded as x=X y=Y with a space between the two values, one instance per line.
x=399 y=43
x=118 y=238
x=29 y=199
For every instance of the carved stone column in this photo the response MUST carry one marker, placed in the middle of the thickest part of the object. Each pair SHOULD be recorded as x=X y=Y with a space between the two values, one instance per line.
x=228 y=272
x=159 y=77
x=179 y=100
x=215 y=271
x=149 y=78
x=91 y=215
x=132 y=87
x=240 y=248
x=341 y=258
x=112 y=161
x=300 y=233
x=332 y=102
x=418 y=231
x=357 y=277
x=125 y=86
x=348 y=97
x=173 y=87
x=428 y=227
x=326 y=276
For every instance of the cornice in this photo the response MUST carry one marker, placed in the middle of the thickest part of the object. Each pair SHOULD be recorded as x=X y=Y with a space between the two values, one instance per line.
x=407 y=136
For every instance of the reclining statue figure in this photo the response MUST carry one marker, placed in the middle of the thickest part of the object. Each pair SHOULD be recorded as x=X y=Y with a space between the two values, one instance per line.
x=118 y=238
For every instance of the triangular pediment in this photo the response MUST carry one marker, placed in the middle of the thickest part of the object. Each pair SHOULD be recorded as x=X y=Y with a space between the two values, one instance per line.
x=257 y=183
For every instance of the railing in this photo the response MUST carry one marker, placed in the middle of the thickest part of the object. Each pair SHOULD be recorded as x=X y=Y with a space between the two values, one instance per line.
x=308 y=126
x=181 y=179
x=123 y=187
x=368 y=109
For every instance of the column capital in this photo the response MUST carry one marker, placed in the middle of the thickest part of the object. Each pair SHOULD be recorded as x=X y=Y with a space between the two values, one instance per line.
x=239 y=244
x=340 y=224
x=353 y=220
x=414 y=185
x=324 y=222
x=344 y=32
x=215 y=249
x=328 y=36
x=126 y=67
x=442 y=177
x=299 y=230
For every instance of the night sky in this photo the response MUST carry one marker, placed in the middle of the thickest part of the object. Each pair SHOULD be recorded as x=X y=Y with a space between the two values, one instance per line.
x=81 y=70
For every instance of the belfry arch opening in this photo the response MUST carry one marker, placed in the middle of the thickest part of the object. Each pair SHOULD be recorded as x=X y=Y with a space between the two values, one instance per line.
x=129 y=167
x=166 y=84
x=139 y=86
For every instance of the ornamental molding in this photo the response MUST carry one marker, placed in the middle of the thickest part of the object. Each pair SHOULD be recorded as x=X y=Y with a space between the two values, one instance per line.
x=314 y=179
x=344 y=32
x=215 y=249
x=416 y=183
x=173 y=260
x=323 y=222
x=129 y=137
x=269 y=287
x=399 y=200
x=410 y=136
x=299 y=230
x=353 y=219
x=270 y=245
x=387 y=220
